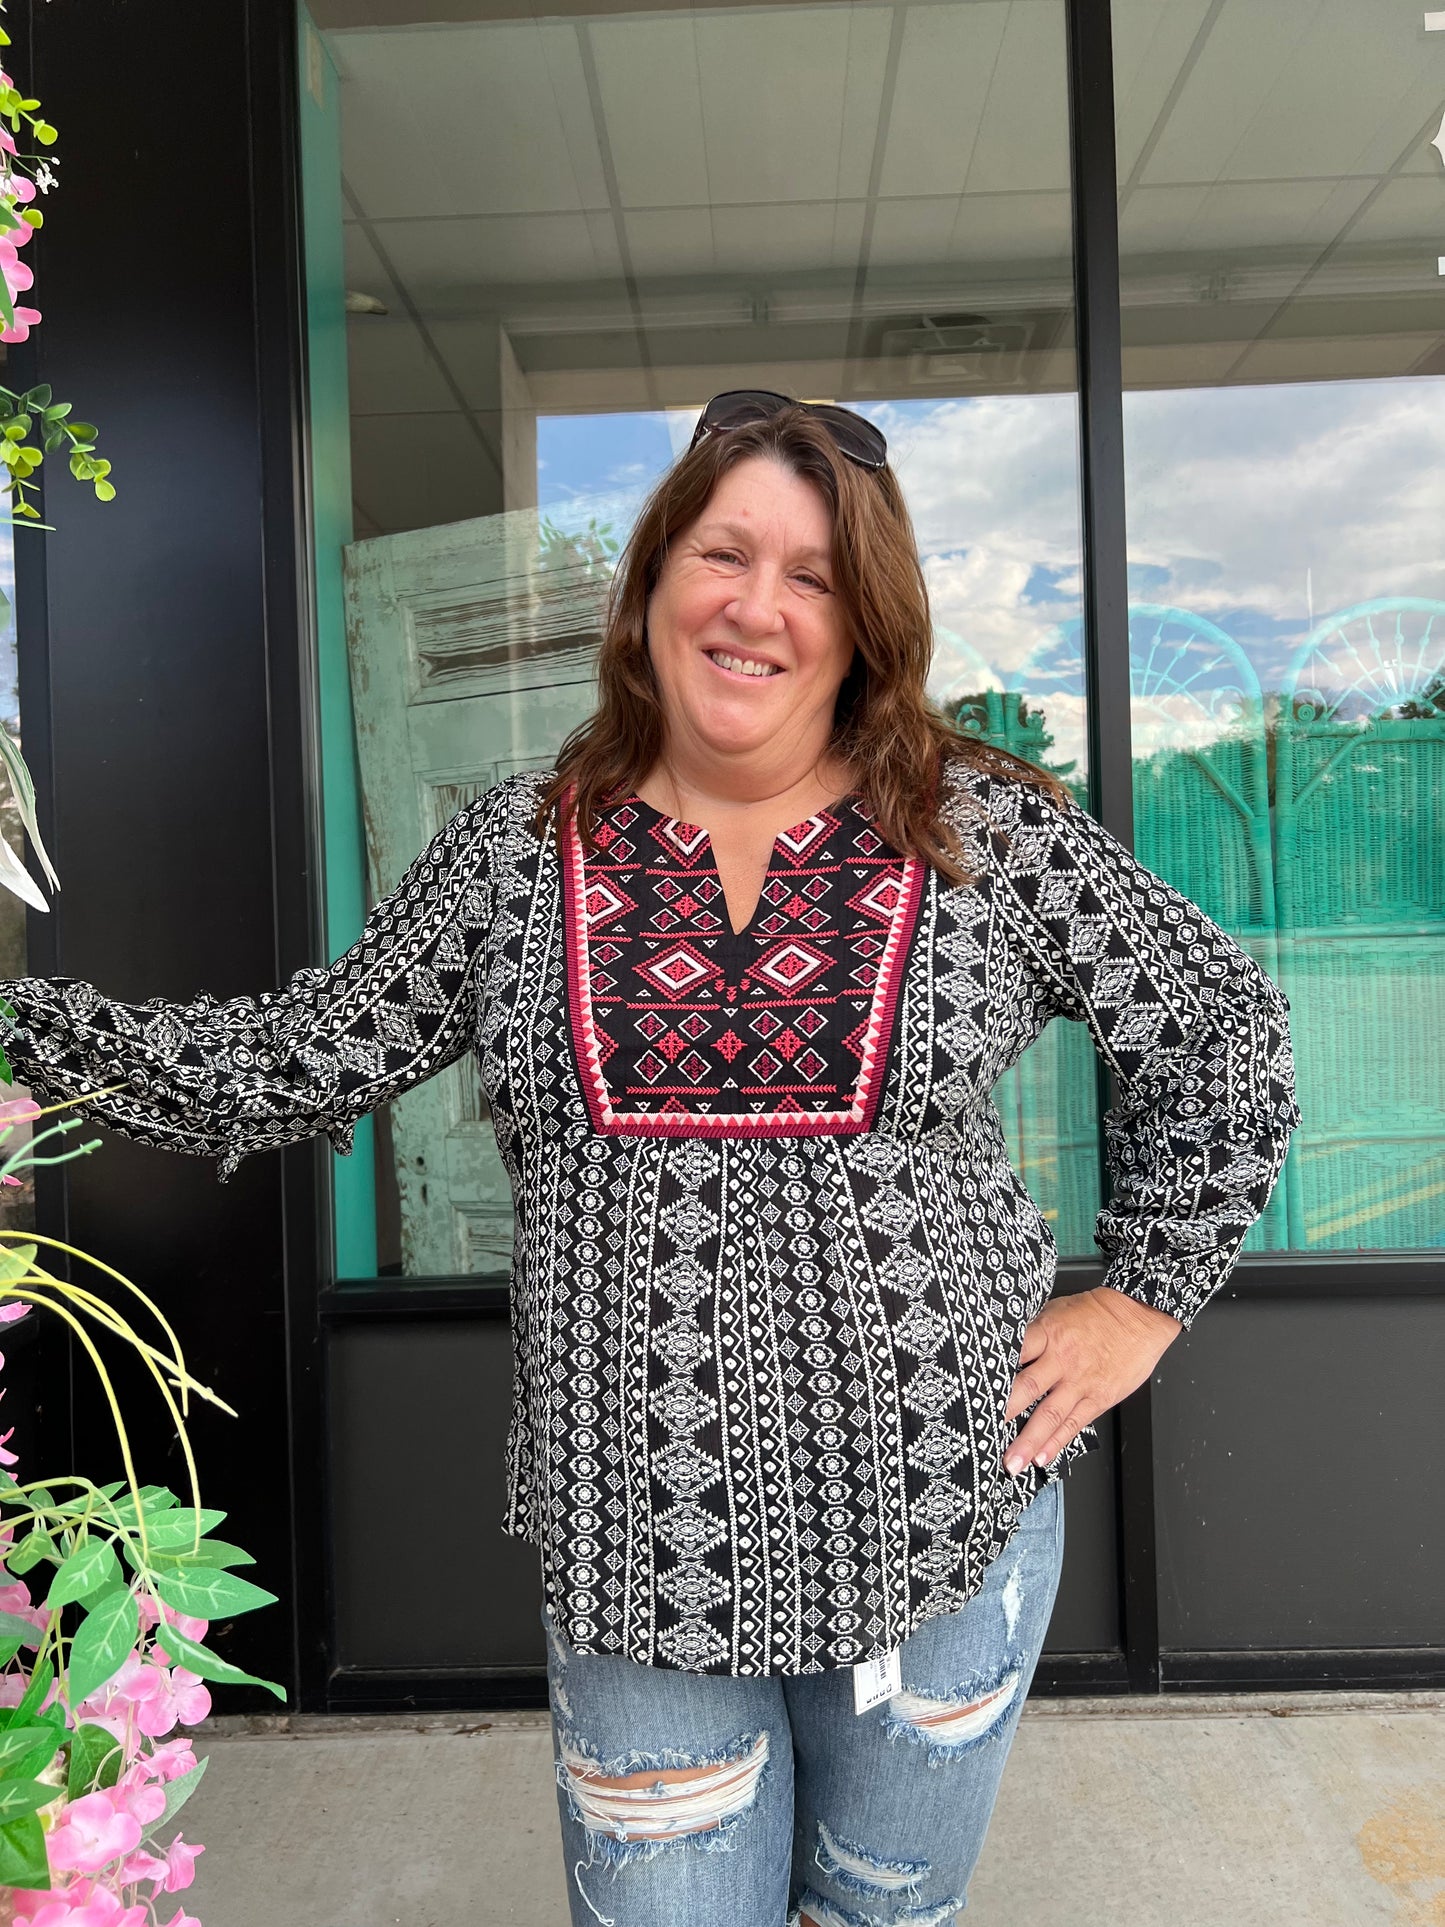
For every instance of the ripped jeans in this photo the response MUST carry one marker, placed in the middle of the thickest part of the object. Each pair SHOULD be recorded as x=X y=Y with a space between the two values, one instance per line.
x=710 y=1800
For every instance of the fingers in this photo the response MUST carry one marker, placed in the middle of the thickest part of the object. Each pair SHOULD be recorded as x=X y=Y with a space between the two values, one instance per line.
x=1077 y=1358
x=1049 y=1430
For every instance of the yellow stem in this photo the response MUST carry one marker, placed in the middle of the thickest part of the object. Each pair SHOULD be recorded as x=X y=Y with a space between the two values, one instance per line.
x=63 y=1311
x=77 y=1293
x=58 y=1244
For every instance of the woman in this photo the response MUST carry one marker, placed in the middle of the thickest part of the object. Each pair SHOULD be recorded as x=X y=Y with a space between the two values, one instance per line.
x=791 y=1401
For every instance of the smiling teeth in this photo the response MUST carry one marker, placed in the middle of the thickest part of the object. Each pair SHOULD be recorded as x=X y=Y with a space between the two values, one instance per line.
x=742 y=665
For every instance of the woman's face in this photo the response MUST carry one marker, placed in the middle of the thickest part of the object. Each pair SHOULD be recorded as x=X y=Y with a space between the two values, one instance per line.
x=747 y=638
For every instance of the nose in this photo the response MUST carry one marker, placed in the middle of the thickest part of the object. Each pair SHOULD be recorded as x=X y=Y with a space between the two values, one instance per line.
x=757 y=610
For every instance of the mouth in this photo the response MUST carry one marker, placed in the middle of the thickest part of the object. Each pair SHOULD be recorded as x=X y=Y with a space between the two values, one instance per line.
x=751 y=666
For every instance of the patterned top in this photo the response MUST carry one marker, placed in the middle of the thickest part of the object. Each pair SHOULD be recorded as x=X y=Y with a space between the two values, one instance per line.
x=772 y=1266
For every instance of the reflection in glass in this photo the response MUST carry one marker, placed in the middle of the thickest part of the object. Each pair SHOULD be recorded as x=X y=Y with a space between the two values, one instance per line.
x=1280 y=221
x=579 y=229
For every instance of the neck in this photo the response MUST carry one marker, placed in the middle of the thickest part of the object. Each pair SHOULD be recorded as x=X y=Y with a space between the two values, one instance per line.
x=701 y=789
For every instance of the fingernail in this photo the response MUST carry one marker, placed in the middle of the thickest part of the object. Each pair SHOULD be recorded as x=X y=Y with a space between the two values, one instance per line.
x=1014 y=1462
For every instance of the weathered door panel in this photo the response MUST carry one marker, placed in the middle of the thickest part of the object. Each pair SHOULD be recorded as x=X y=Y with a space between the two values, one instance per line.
x=472 y=650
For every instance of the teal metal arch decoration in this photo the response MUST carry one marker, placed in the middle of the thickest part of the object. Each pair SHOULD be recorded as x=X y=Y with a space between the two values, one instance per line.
x=1359 y=827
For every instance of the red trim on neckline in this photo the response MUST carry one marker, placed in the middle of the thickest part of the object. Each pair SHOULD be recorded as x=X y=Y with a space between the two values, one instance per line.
x=607 y=1121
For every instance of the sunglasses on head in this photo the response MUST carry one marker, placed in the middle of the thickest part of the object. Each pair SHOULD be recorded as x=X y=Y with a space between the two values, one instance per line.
x=856 y=437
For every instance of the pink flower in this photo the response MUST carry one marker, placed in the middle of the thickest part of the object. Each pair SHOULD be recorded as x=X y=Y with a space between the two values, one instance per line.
x=83 y=1906
x=93 y=1831
x=15 y=1598
x=180 y=1866
x=140 y=1866
x=171 y=1759
x=183 y=1919
x=18 y=187
x=183 y=1622
x=180 y=1699
x=142 y=1798
x=25 y=319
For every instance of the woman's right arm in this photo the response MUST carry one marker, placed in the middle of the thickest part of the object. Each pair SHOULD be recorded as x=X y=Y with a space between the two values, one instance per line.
x=225 y=1078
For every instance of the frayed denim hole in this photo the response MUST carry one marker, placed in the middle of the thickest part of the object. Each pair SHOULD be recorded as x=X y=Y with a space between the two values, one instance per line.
x=857 y=1871
x=900 y=1725
x=828 y=1913
x=718 y=1836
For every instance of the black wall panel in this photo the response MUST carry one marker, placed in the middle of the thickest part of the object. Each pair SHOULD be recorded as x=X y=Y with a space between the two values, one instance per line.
x=425 y=1577
x=1300 y=1467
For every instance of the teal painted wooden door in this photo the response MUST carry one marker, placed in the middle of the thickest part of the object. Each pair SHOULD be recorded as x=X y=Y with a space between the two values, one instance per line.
x=472 y=650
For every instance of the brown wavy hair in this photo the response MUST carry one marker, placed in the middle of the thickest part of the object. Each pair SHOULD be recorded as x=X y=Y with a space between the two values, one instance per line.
x=893 y=739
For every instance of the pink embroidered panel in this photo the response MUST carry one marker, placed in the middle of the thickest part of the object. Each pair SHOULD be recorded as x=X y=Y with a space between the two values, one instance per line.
x=684 y=1028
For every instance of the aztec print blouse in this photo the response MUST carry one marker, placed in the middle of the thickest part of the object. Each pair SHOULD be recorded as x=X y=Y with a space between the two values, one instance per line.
x=772 y=1265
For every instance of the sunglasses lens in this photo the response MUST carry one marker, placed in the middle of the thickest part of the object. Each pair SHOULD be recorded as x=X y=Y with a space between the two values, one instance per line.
x=856 y=437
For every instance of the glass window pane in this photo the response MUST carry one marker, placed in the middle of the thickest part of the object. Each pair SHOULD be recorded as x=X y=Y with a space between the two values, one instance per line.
x=1281 y=230
x=562 y=235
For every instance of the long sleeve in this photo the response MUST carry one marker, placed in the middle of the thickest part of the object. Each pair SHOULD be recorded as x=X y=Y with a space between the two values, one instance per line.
x=226 y=1078
x=1195 y=1031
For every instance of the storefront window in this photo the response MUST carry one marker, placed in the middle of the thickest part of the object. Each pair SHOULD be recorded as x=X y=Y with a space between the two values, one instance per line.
x=562 y=235
x=1282 y=221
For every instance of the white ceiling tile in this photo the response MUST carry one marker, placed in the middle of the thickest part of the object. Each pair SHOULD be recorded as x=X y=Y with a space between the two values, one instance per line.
x=1023 y=141
x=944 y=68
x=1151 y=40
x=470 y=120
x=652 y=106
x=442 y=263
x=780 y=89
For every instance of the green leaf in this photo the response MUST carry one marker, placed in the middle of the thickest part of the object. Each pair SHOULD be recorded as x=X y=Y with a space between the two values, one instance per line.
x=179 y=1790
x=35 y=1546
x=15 y=1262
x=154 y=1498
x=208 y=1592
x=86 y=1571
x=57 y=411
x=86 y=1500
x=83 y=431
x=102 y=1640
x=200 y=1660
x=41 y=1681
x=181 y=1527
x=8 y=1649
x=105 y=491
x=18 y=1742
x=45 y=133
x=210 y=1552
x=40 y=397
x=96 y=1758
x=24 y=1796
x=12 y=1626
x=22 y=1854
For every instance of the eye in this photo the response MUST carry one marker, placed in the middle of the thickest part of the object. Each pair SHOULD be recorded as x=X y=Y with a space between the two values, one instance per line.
x=722 y=555
x=812 y=581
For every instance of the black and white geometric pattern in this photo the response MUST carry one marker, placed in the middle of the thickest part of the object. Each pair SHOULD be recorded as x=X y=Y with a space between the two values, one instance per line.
x=759 y=1384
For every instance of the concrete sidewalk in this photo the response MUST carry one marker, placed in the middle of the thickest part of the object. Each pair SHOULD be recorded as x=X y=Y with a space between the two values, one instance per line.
x=1286 y=1810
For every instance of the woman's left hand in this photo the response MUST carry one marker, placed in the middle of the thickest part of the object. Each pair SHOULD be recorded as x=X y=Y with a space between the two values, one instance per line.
x=1082 y=1354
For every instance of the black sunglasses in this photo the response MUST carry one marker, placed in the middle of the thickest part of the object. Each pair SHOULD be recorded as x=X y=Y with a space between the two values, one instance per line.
x=856 y=437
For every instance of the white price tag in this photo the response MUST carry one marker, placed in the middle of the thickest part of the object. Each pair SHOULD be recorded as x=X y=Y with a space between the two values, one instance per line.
x=875 y=1680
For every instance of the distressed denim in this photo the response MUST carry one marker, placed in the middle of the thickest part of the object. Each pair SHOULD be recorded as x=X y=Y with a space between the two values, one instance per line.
x=779 y=1801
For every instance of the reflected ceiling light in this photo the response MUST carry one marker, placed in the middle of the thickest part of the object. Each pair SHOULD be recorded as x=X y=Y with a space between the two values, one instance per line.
x=364 y=303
